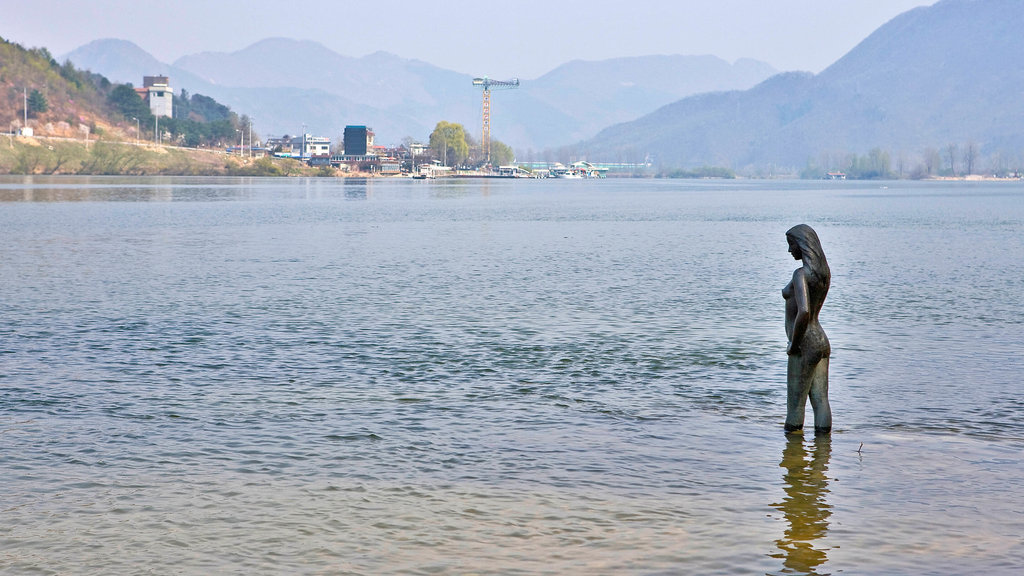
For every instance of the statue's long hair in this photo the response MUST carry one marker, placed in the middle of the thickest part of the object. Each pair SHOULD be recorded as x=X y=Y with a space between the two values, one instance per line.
x=813 y=256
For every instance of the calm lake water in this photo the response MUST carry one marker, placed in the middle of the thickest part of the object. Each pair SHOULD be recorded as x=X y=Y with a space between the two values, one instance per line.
x=283 y=376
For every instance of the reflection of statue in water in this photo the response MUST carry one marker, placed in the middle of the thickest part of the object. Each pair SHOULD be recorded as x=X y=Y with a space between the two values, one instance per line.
x=804 y=507
x=808 y=349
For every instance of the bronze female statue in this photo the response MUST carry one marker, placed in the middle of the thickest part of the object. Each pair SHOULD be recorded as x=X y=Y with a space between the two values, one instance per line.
x=809 y=350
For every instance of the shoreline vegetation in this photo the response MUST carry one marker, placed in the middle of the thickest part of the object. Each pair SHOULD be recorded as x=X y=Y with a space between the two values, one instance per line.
x=59 y=156
x=41 y=155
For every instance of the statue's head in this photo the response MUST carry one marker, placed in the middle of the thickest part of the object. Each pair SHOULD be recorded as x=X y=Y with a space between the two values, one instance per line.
x=804 y=245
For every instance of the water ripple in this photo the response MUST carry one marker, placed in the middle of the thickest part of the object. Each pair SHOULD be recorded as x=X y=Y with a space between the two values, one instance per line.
x=501 y=378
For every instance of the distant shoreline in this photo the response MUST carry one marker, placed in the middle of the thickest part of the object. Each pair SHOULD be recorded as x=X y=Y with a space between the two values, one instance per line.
x=52 y=155
x=975 y=178
x=62 y=156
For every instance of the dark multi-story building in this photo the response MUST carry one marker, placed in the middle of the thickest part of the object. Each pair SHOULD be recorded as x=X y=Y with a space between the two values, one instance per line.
x=358 y=140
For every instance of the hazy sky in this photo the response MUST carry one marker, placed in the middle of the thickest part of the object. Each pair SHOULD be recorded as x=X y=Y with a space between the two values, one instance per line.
x=498 y=38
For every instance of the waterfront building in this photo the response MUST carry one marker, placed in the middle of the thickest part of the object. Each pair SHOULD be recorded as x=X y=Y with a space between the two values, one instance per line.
x=316 y=149
x=280 y=146
x=418 y=149
x=390 y=166
x=358 y=141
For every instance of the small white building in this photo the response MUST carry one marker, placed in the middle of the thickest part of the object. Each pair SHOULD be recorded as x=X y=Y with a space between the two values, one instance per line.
x=418 y=149
x=157 y=92
x=313 y=146
x=305 y=147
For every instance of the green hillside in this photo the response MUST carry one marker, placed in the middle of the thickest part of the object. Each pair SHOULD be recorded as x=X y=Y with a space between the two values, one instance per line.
x=66 y=99
x=81 y=123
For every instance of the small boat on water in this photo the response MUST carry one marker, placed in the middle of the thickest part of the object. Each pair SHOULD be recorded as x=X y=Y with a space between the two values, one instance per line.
x=577 y=170
x=560 y=171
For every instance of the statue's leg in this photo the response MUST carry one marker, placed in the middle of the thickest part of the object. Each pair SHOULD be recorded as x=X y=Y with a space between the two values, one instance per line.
x=819 y=398
x=797 y=387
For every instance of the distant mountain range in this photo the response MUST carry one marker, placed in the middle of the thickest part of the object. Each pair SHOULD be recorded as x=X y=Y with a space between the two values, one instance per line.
x=932 y=79
x=286 y=84
x=948 y=74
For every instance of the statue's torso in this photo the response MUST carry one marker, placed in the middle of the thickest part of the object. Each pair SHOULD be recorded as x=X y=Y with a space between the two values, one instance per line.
x=814 y=344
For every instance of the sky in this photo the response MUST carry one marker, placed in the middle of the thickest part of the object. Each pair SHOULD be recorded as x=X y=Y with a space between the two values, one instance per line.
x=497 y=38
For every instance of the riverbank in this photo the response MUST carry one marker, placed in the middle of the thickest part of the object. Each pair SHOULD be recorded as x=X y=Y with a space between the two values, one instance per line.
x=64 y=156
x=51 y=155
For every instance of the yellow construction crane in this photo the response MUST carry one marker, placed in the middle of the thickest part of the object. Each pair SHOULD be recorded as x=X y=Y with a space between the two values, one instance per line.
x=488 y=84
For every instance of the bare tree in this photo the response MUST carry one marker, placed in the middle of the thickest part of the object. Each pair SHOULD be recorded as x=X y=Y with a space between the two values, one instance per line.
x=932 y=160
x=970 y=155
x=951 y=158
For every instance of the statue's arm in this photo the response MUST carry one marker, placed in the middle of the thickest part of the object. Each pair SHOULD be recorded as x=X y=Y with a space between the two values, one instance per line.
x=802 y=311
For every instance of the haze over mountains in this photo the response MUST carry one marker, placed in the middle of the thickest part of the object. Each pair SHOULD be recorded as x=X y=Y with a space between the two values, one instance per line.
x=948 y=74
x=285 y=84
x=931 y=79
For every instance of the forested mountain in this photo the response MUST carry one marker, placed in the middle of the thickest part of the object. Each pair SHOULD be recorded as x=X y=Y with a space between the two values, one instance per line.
x=936 y=85
x=59 y=99
x=72 y=121
x=286 y=83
